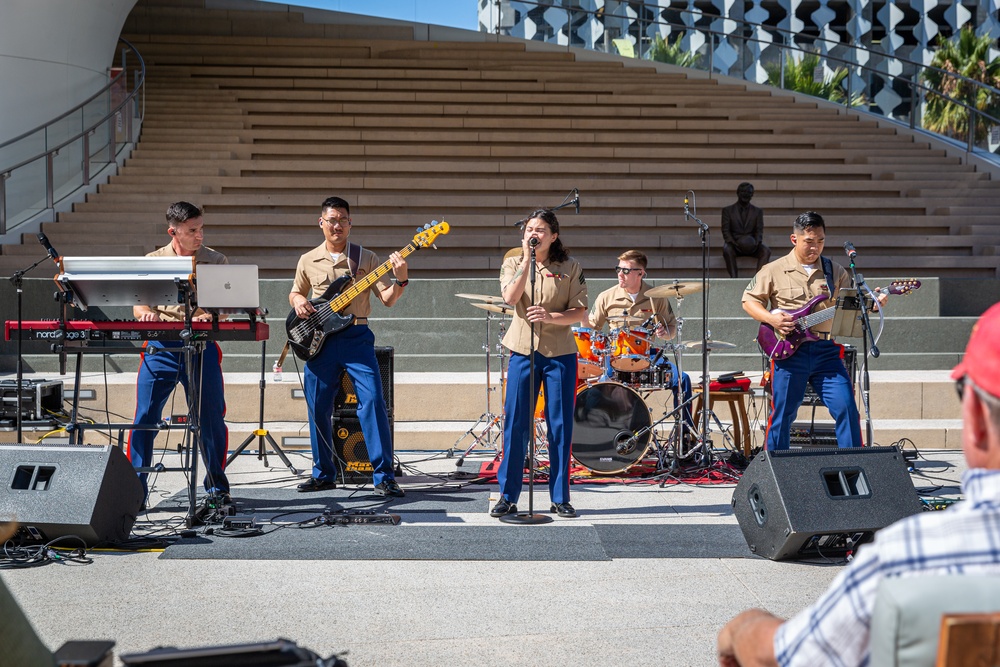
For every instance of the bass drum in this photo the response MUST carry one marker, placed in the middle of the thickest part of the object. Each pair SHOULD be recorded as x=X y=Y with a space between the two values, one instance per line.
x=606 y=416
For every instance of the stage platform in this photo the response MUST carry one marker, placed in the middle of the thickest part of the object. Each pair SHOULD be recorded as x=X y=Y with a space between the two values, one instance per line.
x=644 y=576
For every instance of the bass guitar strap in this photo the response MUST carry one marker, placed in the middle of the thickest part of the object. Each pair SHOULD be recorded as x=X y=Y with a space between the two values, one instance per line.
x=353 y=259
x=828 y=272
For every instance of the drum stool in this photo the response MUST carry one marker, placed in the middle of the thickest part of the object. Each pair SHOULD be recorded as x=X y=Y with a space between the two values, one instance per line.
x=737 y=409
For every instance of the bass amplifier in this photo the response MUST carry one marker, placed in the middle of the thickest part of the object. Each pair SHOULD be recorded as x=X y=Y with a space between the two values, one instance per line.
x=850 y=362
x=349 y=442
x=345 y=404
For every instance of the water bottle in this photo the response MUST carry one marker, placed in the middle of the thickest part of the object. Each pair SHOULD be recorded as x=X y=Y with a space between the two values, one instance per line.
x=277 y=372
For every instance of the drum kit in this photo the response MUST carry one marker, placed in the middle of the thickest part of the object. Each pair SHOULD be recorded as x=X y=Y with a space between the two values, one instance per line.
x=617 y=372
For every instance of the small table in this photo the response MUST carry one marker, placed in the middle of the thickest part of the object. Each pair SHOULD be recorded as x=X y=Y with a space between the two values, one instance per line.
x=737 y=408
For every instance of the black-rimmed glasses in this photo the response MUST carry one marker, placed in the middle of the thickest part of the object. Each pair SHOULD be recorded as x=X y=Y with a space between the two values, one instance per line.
x=625 y=270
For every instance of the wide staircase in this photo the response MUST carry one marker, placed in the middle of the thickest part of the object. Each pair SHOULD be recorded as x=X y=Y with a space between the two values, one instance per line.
x=258 y=115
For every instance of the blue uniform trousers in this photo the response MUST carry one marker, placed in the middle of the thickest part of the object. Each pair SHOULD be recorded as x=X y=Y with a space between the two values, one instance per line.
x=558 y=376
x=160 y=369
x=353 y=350
x=818 y=363
x=685 y=385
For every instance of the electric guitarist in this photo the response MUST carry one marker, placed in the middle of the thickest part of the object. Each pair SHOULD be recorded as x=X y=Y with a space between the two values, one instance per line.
x=788 y=284
x=351 y=349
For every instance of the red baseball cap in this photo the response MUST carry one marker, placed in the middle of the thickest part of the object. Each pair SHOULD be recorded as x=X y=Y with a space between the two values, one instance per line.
x=982 y=355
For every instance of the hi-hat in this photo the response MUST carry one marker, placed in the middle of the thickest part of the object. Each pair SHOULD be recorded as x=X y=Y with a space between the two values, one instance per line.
x=712 y=345
x=503 y=308
x=674 y=289
x=482 y=297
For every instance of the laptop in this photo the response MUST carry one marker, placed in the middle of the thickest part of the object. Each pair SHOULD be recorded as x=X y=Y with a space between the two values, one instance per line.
x=227 y=287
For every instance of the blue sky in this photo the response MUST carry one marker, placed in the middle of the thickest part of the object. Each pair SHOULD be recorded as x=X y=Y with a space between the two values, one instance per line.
x=453 y=13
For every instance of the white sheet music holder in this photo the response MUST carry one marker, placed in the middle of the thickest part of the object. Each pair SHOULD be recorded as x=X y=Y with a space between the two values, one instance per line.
x=847 y=322
x=125 y=281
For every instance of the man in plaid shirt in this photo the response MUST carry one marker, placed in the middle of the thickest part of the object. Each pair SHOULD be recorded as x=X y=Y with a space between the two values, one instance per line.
x=964 y=540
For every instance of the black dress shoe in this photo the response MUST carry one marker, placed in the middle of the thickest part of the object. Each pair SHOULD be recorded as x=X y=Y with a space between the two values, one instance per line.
x=316 y=485
x=389 y=487
x=502 y=507
x=563 y=509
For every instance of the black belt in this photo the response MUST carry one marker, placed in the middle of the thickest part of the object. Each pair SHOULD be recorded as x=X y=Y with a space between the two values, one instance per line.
x=824 y=335
x=360 y=320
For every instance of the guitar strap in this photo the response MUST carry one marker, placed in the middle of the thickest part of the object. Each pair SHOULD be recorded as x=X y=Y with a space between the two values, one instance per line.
x=828 y=273
x=353 y=259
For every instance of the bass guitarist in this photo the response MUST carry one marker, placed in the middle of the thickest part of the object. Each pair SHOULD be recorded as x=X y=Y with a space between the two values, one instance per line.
x=788 y=284
x=351 y=349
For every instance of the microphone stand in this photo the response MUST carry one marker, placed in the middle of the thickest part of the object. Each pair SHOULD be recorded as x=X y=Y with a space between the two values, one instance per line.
x=18 y=281
x=530 y=518
x=866 y=331
x=575 y=201
x=703 y=232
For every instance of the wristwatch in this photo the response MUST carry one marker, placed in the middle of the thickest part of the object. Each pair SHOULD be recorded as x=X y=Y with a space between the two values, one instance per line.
x=401 y=283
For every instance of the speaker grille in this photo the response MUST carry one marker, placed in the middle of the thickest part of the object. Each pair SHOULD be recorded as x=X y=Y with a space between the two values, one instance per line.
x=345 y=404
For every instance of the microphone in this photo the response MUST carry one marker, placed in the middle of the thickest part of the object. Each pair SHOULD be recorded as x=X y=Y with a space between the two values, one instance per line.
x=687 y=212
x=577 y=200
x=533 y=242
x=44 y=240
x=849 y=249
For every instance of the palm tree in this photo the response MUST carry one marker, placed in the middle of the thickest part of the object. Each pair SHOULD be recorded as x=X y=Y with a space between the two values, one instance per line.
x=799 y=77
x=966 y=55
x=663 y=51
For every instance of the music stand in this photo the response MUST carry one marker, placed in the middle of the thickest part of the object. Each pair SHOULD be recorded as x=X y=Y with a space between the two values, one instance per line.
x=847 y=322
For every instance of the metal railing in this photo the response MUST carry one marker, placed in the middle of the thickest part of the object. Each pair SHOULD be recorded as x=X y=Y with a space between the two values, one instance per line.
x=876 y=82
x=42 y=167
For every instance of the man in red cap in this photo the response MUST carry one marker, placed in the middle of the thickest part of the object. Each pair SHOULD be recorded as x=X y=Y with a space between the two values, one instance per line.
x=963 y=540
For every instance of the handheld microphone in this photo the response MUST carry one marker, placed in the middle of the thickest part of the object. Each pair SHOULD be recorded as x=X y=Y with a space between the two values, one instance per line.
x=44 y=240
x=533 y=242
x=849 y=249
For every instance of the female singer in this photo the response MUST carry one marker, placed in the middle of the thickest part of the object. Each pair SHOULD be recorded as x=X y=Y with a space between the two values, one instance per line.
x=560 y=302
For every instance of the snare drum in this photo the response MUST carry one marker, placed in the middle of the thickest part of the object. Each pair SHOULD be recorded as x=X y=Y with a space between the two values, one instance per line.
x=631 y=350
x=605 y=418
x=590 y=345
x=655 y=377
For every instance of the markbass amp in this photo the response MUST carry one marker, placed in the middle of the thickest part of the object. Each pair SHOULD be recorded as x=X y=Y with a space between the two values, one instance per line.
x=348 y=440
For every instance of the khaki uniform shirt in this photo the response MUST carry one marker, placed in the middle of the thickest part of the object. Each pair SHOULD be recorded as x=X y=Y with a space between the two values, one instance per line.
x=783 y=284
x=616 y=301
x=559 y=286
x=316 y=271
x=205 y=255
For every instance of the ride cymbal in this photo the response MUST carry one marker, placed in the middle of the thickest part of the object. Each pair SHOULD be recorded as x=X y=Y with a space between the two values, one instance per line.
x=502 y=308
x=482 y=297
x=674 y=289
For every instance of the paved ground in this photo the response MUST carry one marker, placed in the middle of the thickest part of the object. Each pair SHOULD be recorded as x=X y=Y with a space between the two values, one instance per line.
x=637 y=612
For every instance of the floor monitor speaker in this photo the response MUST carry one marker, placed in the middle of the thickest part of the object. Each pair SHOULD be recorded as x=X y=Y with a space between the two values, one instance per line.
x=821 y=502
x=54 y=491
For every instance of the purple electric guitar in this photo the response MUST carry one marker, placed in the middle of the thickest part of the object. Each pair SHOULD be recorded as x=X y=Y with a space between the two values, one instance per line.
x=779 y=346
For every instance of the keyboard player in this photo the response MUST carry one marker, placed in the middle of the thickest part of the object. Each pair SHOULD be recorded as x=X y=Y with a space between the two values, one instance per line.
x=162 y=364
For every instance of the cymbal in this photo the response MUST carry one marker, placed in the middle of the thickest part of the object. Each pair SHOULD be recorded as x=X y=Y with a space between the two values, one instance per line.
x=712 y=345
x=482 y=297
x=674 y=289
x=502 y=308
x=513 y=252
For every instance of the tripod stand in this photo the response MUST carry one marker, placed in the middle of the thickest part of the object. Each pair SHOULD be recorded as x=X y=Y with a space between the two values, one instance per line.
x=493 y=432
x=260 y=432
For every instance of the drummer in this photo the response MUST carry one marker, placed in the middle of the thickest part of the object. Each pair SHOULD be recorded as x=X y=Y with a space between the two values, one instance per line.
x=628 y=301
